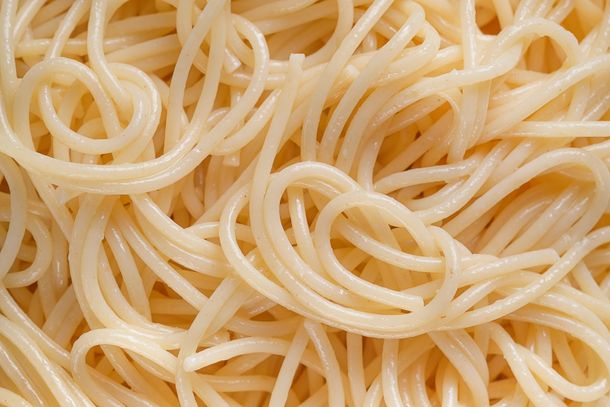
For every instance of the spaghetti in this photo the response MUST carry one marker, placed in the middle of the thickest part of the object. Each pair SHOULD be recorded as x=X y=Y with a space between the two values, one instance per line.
x=305 y=203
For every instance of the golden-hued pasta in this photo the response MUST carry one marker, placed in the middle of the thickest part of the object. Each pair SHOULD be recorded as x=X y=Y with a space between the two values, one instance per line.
x=305 y=203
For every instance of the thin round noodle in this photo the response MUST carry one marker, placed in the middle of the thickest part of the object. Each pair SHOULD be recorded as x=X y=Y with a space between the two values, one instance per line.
x=305 y=203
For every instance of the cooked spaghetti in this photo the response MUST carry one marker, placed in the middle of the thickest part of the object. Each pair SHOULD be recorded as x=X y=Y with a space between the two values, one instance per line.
x=305 y=203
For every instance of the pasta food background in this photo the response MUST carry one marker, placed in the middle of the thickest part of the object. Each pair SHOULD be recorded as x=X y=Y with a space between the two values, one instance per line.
x=305 y=203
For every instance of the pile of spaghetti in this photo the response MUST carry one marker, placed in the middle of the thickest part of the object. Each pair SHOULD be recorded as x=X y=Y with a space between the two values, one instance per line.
x=305 y=203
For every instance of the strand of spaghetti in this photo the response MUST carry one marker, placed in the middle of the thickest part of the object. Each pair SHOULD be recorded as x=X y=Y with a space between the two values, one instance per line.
x=8 y=70
x=48 y=372
x=560 y=129
x=336 y=63
x=184 y=62
x=17 y=226
x=536 y=288
x=332 y=373
x=357 y=89
x=107 y=336
x=7 y=397
x=194 y=335
x=95 y=50
x=286 y=374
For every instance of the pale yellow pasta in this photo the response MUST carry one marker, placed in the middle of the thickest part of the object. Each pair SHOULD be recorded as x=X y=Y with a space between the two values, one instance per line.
x=305 y=203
